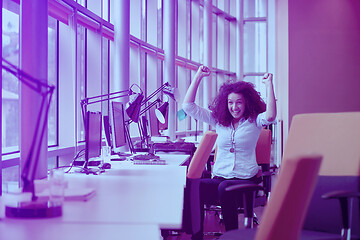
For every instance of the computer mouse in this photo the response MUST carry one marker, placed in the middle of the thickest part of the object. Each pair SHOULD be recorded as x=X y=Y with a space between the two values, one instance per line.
x=106 y=166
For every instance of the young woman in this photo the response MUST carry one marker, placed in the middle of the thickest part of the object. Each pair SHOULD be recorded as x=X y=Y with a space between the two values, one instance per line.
x=238 y=114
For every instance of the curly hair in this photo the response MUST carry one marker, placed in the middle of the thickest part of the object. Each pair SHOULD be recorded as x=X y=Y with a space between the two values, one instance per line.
x=254 y=104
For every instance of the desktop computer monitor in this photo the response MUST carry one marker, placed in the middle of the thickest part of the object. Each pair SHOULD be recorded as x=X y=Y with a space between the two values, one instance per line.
x=93 y=136
x=154 y=123
x=107 y=130
x=117 y=125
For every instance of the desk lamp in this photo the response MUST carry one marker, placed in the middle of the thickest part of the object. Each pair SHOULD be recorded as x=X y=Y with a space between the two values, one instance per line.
x=133 y=108
x=133 y=111
x=33 y=208
x=167 y=89
x=133 y=104
x=161 y=112
x=142 y=126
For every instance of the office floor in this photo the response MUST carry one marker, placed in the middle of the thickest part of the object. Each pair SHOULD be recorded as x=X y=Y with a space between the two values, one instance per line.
x=212 y=225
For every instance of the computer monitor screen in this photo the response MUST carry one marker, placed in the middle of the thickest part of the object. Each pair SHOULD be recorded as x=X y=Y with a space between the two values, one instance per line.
x=154 y=123
x=93 y=135
x=144 y=127
x=107 y=130
x=117 y=122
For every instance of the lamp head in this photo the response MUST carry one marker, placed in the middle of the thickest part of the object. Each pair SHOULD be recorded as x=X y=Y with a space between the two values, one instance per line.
x=172 y=92
x=133 y=106
x=161 y=112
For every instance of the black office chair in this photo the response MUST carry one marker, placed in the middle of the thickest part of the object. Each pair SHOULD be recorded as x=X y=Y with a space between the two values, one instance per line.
x=259 y=193
x=192 y=211
x=336 y=136
x=285 y=212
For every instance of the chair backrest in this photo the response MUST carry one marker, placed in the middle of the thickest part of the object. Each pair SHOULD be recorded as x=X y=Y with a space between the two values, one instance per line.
x=335 y=136
x=201 y=155
x=263 y=147
x=284 y=215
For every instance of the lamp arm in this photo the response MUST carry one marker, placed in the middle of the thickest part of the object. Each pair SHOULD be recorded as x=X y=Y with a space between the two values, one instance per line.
x=154 y=93
x=149 y=106
x=100 y=98
x=27 y=79
x=125 y=93
x=28 y=172
x=46 y=91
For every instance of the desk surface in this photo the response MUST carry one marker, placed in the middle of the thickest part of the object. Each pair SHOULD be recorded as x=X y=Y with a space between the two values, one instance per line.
x=171 y=159
x=149 y=196
x=45 y=230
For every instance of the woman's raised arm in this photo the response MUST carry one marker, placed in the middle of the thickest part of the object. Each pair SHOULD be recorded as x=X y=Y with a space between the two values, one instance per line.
x=270 y=112
x=202 y=71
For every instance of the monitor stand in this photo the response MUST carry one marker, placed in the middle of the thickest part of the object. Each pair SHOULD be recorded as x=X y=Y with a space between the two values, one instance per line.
x=87 y=171
x=93 y=162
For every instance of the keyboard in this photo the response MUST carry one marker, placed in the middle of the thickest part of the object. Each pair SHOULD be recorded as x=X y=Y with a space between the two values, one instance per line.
x=149 y=162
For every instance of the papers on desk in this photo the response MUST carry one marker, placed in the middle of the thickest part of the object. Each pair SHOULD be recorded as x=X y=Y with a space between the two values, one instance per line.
x=71 y=194
x=159 y=139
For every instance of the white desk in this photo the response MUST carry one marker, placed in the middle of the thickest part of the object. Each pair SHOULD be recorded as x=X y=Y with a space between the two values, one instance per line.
x=169 y=172
x=130 y=200
x=176 y=159
x=57 y=230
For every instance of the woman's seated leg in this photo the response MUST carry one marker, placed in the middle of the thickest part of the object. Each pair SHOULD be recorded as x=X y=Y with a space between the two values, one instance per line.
x=230 y=203
x=208 y=195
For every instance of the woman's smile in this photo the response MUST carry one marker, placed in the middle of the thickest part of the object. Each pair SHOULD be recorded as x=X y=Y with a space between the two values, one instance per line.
x=236 y=105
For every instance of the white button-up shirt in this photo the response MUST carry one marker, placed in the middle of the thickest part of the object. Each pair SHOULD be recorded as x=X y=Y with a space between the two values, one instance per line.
x=240 y=163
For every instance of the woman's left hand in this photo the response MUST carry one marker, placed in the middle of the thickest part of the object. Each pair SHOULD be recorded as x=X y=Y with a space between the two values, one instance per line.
x=267 y=78
x=203 y=71
x=270 y=102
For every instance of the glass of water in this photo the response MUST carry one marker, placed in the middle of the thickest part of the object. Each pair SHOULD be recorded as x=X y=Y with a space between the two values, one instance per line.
x=57 y=185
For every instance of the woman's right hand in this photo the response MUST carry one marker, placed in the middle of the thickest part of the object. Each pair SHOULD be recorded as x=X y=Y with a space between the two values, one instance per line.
x=203 y=71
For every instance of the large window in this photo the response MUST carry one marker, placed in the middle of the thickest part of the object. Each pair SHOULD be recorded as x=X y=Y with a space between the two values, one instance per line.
x=81 y=58
x=10 y=84
x=255 y=58
x=53 y=80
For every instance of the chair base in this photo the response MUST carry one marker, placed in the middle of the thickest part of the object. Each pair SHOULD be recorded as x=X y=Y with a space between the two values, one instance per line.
x=313 y=235
x=248 y=233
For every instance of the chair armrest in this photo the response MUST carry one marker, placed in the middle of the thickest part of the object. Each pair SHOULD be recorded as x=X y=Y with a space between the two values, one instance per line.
x=341 y=194
x=241 y=188
x=346 y=204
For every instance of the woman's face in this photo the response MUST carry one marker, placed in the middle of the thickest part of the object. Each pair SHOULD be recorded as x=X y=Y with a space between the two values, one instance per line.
x=236 y=105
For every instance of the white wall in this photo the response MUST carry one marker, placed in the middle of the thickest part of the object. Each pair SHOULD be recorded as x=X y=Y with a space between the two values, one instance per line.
x=318 y=57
